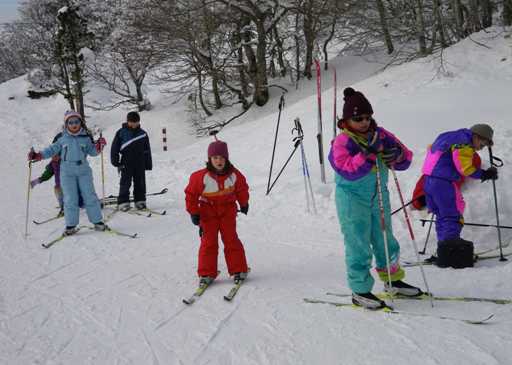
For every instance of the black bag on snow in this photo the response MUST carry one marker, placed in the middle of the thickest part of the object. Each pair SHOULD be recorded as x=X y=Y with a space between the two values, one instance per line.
x=455 y=253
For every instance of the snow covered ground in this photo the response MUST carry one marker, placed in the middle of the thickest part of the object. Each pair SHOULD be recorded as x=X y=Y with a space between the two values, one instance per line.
x=97 y=298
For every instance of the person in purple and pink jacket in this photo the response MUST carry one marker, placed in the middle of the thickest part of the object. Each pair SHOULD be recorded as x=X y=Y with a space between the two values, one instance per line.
x=448 y=159
x=353 y=156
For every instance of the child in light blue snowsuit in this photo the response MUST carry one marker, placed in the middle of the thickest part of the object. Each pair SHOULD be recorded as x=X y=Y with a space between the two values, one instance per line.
x=74 y=146
x=353 y=156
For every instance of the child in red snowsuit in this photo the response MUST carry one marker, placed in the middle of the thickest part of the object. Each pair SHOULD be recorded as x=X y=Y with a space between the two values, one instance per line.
x=210 y=198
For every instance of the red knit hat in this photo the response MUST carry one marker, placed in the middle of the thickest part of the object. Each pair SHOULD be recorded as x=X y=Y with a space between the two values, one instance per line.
x=355 y=104
x=218 y=148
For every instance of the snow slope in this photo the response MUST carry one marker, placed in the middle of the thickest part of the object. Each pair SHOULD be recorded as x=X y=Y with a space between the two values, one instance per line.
x=97 y=298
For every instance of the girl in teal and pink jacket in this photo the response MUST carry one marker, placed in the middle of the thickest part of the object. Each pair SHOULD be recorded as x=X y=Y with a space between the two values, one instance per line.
x=353 y=156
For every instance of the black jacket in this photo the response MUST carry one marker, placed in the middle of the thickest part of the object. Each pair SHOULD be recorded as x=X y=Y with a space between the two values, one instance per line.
x=133 y=145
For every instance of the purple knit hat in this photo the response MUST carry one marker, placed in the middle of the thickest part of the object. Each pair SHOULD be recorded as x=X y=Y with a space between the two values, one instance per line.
x=355 y=104
x=218 y=148
x=71 y=113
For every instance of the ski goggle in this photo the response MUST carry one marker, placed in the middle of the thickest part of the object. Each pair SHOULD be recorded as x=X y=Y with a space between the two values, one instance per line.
x=361 y=118
x=482 y=143
x=73 y=122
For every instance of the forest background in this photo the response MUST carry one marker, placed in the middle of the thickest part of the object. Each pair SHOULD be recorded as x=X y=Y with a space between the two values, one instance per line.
x=218 y=53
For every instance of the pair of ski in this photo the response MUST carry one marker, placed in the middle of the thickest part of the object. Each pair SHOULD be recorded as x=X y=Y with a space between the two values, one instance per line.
x=432 y=260
x=133 y=212
x=64 y=235
x=202 y=288
x=111 y=214
x=389 y=309
x=112 y=199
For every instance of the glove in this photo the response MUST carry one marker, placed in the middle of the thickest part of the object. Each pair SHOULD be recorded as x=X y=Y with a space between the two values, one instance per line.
x=244 y=209
x=100 y=143
x=374 y=144
x=393 y=155
x=34 y=183
x=196 y=218
x=490 y=174
x=34 y=157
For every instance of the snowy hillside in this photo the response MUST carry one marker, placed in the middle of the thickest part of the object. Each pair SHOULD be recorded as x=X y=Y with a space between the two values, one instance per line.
x=96 y=298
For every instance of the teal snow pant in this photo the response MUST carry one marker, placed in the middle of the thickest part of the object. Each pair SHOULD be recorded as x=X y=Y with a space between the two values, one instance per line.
x=72 y=174
x=357 y=203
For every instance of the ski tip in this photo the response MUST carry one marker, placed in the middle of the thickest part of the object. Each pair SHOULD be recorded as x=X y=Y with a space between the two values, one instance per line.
x=480 y=322
x=186 y=302
x=164 y=212
x=135 y=235
x=227 y=299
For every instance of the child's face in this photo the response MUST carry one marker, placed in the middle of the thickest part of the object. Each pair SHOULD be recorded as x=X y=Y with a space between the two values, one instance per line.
x=56 y=158
x=132 y=125
x=72 y=126
x=361 y=126
x=218 y=163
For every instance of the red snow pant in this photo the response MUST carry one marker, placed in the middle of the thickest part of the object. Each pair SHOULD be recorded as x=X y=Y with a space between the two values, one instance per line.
x=215 y=218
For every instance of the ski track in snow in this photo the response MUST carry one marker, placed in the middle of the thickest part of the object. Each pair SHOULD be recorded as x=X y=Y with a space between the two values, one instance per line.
x=97 y=298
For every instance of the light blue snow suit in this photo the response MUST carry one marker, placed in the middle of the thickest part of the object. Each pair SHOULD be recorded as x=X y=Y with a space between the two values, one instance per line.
x=75 y=169
x=357 y=203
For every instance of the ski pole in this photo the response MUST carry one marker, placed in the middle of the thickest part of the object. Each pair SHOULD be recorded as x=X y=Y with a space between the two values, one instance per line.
x=304 y=174
x=423 y=221
x=305 y=169
x=412 y=236
x=384 y=229
x=214 y=133
x=320 y=133
x=496 y=204
x=28 y=193
x=406 y=205
x=428 y=233
x=297 y=143
x=102 y=175
x=309 y=179
x=334 y=131
x=281 y=106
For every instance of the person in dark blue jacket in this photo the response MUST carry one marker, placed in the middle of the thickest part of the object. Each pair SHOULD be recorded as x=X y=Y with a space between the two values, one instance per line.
x=131 y=142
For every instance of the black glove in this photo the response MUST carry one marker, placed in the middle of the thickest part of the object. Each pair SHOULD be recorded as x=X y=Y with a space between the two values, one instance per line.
x=244 y=209
x=392 y=155
x=373 y=144
x=490 y=174
x=196 y=218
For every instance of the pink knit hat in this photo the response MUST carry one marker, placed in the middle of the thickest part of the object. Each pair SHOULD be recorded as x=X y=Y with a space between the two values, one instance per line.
x=71 y=113
x=218 y=148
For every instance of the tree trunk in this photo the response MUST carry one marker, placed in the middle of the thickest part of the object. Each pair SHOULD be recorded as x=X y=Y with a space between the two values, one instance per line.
x=420 y=28
x=384 y=25
x=240 y=58
x=297 y=49
x=261 y=93
x=487 y=6
x=507 y=12
x=310 y=39
x=200 y=85
x=459 y=19
x=439 y=24
x=280 y=56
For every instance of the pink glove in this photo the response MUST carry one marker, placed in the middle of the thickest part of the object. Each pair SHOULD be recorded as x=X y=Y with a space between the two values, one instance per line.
x=34 y=157
x=100 y=143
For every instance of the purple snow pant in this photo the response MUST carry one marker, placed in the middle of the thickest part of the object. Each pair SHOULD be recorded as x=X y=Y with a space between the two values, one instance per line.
x=446 y=202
